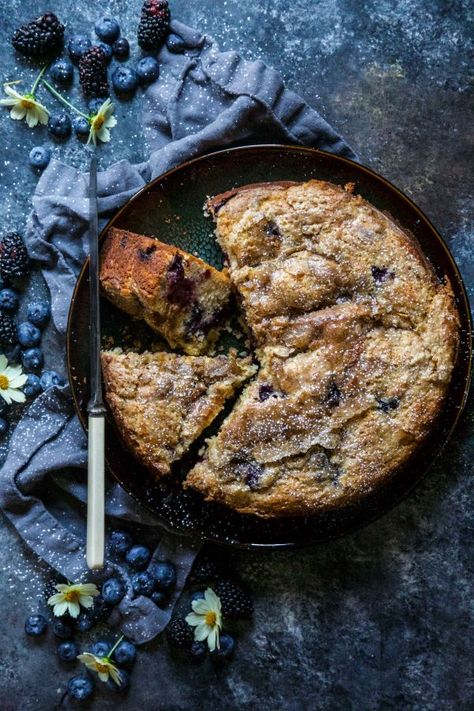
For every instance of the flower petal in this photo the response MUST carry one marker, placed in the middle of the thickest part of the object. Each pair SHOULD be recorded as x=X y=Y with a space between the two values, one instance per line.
x=3 y=361
x=193 y=619
x=6 y=396
x=200 y=606
x=16 y=395
x=18 y=380
x=212 y=639
x=12 y=92
x=103 y=676
x=74 y=609
x=17 y=113
x=202 y=632
x=103 y=135
x=212 y=600
x=31 y=118
x=60 y=608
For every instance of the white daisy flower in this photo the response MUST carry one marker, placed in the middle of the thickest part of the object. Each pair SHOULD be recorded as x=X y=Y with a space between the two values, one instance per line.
x=102 y=666
x=206 y=617
x=12 y=379
x=101 y=122
x=70 y=597
x=24 y=106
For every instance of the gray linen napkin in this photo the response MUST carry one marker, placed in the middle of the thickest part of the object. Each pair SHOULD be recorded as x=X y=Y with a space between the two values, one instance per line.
x=204 y=100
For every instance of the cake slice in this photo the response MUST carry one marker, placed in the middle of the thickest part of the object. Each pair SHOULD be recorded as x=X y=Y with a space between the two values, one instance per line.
x=180 y=297
x=162 y=402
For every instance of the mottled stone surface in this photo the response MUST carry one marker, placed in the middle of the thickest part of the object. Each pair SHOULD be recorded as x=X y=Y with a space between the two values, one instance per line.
x=382 y=619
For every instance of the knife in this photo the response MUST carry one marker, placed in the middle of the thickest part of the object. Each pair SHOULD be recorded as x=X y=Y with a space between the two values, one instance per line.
x=95 y=407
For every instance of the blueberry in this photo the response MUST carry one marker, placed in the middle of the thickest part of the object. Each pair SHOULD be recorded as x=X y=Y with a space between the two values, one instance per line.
x=49 y=378
x=124 y=80
x=159 y=598
x=120 y=542
x=32 y=387
x=226 y=647
x=36 y=625
x=198 y=651
x=28 y=334
x=94 y=105
x=107 y=50
x=39 y=313
x=175 y=43
x=40 y=157
x=62 y=71
x=125 y=653
x=84 y=622
x=77 y=45
x=138 y=556
x=164 y=574
x=13 y=353
x=148 y=70
x=80 y=688
x=81 y=127
x=32 y=359
x=59 y=124
x=67 y=651
x=62 y=629
x=143 y=583
x=101 y=649
x=9 y=300
x=107 y=29
x=198 y=595
x=121 y=48
x=113 y=591
x=3 y=427
x=124 y=682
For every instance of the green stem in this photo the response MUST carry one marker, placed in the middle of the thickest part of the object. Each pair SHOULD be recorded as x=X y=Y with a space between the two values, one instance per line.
x=114 y=648
x=38 y=79
x=61 y=98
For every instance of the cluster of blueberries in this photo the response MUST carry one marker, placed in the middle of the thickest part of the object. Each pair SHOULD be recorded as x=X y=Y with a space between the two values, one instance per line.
x=157 y=582
x=27 y=348
x=125 y=81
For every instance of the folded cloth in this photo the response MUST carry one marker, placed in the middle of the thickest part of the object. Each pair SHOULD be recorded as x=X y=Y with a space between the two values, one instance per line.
x=204 y=100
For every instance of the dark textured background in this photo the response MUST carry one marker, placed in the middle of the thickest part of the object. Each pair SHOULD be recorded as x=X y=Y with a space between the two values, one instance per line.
x=382 y=619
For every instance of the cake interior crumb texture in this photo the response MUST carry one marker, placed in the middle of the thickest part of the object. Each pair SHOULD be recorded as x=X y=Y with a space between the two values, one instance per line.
x=180 y=297
x=162 y=402
x=356 y=340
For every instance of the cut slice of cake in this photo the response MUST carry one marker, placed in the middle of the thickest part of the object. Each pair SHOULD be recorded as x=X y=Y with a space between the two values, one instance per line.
x=179 y=296
x=162 y=402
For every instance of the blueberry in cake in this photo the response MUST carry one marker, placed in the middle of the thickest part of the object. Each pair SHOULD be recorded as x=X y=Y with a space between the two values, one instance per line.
x=356 y=339
x=179 y=296
x=162 y=402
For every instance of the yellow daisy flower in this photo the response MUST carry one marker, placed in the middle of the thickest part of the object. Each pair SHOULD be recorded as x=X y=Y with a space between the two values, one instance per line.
x=101 y=122
x=102 y=666
x=206 y=617
x=70 y=597
x=24 y=106
x=12 y=379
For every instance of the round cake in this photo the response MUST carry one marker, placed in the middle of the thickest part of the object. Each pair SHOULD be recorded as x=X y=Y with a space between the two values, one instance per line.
x=355 y=337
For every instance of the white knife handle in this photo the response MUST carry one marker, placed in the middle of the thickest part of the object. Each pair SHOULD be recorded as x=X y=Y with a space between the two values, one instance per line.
x=95 y=493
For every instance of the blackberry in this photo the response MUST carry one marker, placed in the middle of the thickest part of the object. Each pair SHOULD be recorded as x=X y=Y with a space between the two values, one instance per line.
x=93 y=72
x=179 y=634
x=14 y=261
x=7 y=329
x=41 y=37
x=204 y=570
x=154 y=23
x=234 y=600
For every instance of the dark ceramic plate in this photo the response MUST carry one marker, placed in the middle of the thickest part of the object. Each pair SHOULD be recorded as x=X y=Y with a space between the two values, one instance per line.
x=171 y=207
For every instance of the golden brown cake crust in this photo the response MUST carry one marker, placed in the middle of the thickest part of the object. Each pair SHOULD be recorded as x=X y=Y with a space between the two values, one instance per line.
x=356 y=338
x=161 y=402
x=180 y=297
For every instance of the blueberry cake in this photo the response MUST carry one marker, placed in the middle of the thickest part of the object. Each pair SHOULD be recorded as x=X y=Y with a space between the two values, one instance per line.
x=162 y=402
x=356 y=339
x=180 y=297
